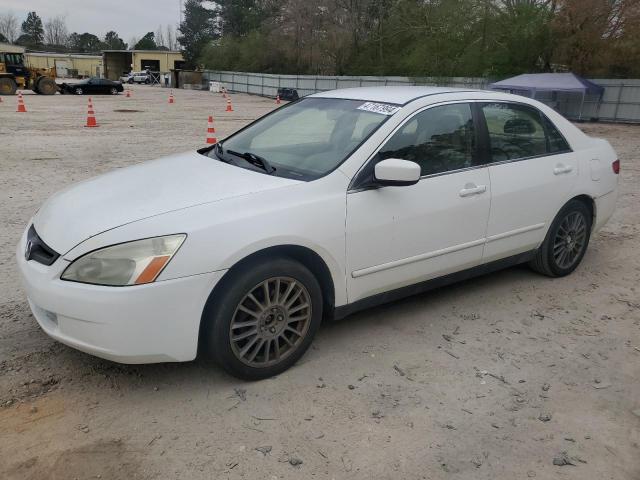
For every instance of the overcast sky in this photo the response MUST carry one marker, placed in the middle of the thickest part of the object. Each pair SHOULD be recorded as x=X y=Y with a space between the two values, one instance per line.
x=127 y=17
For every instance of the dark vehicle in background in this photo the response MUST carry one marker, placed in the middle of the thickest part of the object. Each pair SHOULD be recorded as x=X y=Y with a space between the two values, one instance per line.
x=289 y=94
x=93 y=85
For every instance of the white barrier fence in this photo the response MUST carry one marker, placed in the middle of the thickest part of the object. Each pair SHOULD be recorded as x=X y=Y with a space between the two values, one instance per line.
x=619 y=103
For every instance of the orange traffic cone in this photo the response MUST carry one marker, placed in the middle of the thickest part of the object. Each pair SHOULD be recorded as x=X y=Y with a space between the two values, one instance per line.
x=171 y=99
x=21 y=106
x=91 y=115
x=278 y=100
x=229 y=107
x=128 y=94
x=211 y=131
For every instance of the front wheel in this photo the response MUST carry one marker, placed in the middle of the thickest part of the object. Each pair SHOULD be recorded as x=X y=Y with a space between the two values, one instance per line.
x=8 y=86
x=263 y=318
x=566 y=241
x=113 y=91
x=78 y=91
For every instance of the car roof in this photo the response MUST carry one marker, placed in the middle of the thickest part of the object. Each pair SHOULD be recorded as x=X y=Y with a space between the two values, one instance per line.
x=399 y=95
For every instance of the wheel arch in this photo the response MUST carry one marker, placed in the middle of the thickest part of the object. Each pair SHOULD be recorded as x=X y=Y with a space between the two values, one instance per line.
x=589 y=202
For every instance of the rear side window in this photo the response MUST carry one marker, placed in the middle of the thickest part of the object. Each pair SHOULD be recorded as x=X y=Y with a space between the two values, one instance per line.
x=520 y=131
x=515 y=131
x=439 y=139
x=557 y=143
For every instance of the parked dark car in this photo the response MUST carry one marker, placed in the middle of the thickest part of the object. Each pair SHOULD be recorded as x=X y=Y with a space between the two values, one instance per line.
x=289 y=94
x=93 y=85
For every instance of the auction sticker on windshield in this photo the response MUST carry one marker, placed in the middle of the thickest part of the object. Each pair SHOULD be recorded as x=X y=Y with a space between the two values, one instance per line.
x=383 y=108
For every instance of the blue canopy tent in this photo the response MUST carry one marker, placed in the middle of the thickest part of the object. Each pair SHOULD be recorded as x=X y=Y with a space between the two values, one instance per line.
x=532 y=83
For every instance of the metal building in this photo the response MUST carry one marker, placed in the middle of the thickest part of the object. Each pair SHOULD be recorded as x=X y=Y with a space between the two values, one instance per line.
x=118 y=62
x=67 y=65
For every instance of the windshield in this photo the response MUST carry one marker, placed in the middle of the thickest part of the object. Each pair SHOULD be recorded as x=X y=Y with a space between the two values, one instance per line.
x=13 y=58
x=309 y=138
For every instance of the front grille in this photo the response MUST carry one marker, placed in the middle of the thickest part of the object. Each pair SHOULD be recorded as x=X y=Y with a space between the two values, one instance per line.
x=37 y=250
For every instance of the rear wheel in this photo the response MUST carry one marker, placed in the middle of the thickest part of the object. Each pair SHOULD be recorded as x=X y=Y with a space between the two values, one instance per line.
x=46 y=86
x=566 y=241
x=78 y=91
x=113 y=91
x=8 y=86
x=263 y=318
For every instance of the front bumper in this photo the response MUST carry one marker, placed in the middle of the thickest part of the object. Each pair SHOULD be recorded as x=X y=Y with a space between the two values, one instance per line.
x=156 y=322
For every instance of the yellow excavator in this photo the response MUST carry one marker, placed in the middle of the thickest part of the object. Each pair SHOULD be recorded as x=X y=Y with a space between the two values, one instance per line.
x=15 y=75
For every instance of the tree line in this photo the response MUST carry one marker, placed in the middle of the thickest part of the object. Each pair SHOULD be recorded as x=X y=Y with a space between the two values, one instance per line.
x=489 y=38
x=52 y=35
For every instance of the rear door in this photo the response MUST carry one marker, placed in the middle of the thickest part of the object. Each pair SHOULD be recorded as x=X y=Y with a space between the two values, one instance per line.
x=397 y=236
x=532 y=172
x=91 y=86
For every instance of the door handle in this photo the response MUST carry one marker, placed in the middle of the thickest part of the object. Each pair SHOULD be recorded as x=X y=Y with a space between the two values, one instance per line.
x=472 y=189
x=560 y=169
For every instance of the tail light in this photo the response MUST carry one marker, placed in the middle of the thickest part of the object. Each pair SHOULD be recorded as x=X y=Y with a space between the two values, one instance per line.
x=616 y=167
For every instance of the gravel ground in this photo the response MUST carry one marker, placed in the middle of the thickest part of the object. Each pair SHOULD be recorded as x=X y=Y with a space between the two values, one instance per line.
x=511 y=375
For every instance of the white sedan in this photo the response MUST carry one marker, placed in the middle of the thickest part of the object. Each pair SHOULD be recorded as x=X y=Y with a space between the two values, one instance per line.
x=339 y=201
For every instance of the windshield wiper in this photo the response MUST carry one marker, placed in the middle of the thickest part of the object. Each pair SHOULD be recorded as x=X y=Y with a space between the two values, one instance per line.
x=219 y=153
x=255 y=160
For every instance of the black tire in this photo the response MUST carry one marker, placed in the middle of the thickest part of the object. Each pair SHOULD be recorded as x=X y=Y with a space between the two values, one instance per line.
x=130 y=81
x=8 y=86
x=147 y=81
x=46 y=86
x=113 y=91
x=78 y=91
x=548 y=259
x=222 y=310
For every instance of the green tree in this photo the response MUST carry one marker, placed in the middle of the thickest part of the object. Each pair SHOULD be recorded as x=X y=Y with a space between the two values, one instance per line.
x=33 y=29
x=426 y=38
x=113 y=42
x=198 y=29
x=147 y=42
x=85 y=43
x=241 y=17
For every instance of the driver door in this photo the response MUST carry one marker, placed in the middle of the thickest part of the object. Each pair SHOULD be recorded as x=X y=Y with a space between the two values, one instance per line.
x=398 y=236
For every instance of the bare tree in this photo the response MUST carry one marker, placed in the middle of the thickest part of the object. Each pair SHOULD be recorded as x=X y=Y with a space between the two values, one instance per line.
x=170 y=38
x=159 y=37
x=9 y=26
x=55 y=31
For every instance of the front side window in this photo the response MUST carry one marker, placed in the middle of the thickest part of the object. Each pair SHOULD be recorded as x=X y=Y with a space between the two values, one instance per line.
x=439 y=139
x=517 y=131
x=307 y=139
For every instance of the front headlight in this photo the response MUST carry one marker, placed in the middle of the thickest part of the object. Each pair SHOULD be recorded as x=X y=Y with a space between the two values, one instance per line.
x=131 y=263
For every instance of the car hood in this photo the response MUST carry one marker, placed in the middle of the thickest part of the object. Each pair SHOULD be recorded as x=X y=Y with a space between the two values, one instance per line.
x=152 y=188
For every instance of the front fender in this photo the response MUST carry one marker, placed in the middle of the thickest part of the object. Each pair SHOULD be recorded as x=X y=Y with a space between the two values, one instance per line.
x=219 y=235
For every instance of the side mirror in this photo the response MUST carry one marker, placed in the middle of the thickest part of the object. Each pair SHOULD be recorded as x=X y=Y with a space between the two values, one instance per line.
x=396 y=172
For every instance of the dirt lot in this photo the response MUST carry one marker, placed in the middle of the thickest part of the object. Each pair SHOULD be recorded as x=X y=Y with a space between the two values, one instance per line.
x=493 y=378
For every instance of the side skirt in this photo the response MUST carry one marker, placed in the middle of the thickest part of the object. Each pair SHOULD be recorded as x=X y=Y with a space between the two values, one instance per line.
x=385 y=297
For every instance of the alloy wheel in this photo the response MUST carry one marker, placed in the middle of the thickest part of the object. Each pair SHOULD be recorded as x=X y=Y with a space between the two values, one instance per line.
x=570 y=239
x=270 y=322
